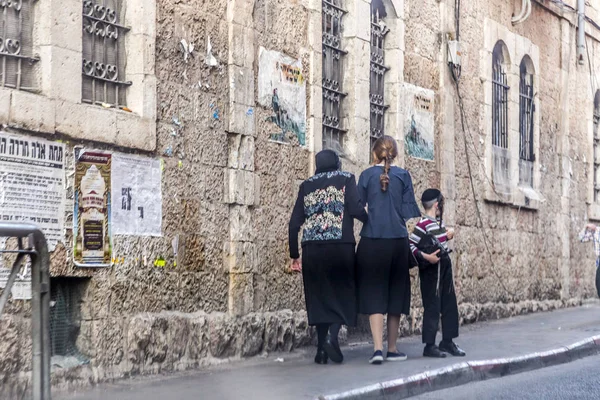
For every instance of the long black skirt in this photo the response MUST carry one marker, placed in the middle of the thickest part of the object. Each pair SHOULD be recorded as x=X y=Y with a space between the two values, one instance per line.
x=329 y=285
x=383 y=276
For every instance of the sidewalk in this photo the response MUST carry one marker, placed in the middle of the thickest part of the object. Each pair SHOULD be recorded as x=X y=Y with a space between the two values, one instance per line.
x=299 y=378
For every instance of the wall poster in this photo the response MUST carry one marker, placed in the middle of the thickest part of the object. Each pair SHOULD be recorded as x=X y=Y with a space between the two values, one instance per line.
x=419 y=125
x=282 y=88
x=92 y=224
x=136 y=196
x=32 y=184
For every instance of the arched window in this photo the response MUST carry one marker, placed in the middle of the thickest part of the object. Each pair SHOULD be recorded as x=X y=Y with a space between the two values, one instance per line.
x=499 y=96
x=333 y=55
x=379 y=30
x=597 y=148
x=526 y=122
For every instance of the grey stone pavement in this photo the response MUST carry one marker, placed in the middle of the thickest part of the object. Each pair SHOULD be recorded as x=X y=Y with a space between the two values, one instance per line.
x=299 y=378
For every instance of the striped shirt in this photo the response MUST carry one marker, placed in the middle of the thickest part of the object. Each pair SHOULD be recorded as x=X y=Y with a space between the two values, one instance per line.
x=428 y=225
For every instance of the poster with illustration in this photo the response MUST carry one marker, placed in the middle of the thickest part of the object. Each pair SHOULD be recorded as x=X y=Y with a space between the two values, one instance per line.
x=419 y=122
x=282 y=89
x=92 y=234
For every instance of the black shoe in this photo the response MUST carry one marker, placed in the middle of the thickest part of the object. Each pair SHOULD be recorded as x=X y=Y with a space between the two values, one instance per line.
x=377 y=358
x=321 y=357
x=452 y=348
x=332 y=348
x=431 y=350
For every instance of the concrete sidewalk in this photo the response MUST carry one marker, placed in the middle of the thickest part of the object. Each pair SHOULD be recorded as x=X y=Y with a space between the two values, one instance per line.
x=299 y=378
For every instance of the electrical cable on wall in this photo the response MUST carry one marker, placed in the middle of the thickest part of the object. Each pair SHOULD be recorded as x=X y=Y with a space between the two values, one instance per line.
x=456 y=78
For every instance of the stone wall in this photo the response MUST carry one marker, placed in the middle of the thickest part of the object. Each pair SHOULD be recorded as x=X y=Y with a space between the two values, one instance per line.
x=228 y=189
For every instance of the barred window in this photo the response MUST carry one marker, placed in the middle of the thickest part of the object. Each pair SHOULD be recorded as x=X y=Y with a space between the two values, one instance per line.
x=597 y=148
x=333 y=94
x=500 y=152
x=378 y=69
x=526 y=122
x=104 y=53
x=16 y=45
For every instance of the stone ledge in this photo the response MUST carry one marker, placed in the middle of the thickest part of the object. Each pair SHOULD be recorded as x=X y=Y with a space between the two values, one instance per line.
x=42 y=114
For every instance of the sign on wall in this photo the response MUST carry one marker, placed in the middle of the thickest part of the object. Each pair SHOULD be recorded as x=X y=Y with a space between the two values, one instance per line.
x=92 y=225
x=137 y=195
x=419 y=125
x=282 y=88
x=32 y=184
x=21 y=288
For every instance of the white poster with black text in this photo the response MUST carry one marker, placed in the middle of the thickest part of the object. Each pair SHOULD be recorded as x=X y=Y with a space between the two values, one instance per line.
x=136 y=196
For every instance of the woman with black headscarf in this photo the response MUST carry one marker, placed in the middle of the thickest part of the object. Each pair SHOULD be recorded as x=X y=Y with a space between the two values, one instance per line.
x=326 y=206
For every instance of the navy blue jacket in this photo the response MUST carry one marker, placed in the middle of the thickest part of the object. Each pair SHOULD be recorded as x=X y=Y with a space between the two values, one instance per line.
x=390 y=210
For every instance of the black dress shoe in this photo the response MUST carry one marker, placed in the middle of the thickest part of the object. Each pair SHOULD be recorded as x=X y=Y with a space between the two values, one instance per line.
x=332 y=348
x=431 y=350
x=321 y=357
x=452 y=348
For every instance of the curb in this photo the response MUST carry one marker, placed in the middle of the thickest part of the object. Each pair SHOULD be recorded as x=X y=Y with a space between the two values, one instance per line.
x=470 y=371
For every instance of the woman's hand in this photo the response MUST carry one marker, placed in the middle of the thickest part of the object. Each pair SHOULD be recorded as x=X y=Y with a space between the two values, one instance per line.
x=296 y=265
x=432 y=258
x=591 y=227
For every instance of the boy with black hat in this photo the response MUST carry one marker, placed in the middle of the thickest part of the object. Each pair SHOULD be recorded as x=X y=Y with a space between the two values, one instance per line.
x=429 y=245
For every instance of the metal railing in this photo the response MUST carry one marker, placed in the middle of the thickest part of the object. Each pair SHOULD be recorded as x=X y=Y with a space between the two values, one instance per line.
x=37 y=250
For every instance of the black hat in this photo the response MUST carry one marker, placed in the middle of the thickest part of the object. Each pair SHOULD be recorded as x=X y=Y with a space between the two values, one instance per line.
x=430 y=195
x=327 y=161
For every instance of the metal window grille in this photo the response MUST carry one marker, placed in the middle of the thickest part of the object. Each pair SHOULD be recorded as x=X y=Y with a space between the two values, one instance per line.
x=526 y=125
x=597 y=148
x=104 y=53
x=65 y=318
x=16 y=45
x=499 y=99
x=379 y=30
x=333 y=54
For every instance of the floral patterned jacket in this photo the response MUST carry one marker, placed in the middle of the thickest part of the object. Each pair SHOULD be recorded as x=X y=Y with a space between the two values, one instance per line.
x=326 y=206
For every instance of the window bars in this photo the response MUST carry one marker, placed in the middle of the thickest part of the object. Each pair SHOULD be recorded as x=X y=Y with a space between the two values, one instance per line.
x=597 y=148
x=526 y=125
x=16 y=45
x=499 y=100
x=103 y=53
x=376 y=95
x=333 y=94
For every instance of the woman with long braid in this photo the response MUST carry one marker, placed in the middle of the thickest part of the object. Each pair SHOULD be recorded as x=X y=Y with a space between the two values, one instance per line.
x=383 y=256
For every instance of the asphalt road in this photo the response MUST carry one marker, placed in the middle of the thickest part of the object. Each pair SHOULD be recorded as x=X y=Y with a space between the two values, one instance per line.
x=578 y=380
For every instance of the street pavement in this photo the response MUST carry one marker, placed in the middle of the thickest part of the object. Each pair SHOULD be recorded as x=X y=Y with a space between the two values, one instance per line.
x=297 y=377
x=577 y=380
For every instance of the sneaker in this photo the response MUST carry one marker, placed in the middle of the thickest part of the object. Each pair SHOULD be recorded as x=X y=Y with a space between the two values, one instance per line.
x=452 y=348
x=391 y=356
x=377 y=358
x=431 y=350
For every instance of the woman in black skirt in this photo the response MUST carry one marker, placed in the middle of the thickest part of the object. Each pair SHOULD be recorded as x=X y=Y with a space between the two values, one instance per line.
x=383 y=255
x=326 y=206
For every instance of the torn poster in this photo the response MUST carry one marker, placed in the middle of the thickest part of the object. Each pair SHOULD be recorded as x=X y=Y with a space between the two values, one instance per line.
x=137 y=195
x=419 y=125
x=32 y=184
x=21 y=288
x=92 y=209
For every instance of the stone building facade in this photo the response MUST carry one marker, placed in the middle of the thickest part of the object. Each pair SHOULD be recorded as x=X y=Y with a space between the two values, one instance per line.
x=514 y=156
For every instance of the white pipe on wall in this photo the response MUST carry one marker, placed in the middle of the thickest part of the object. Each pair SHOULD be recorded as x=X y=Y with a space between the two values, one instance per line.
x=524 y=14
x=580 y=31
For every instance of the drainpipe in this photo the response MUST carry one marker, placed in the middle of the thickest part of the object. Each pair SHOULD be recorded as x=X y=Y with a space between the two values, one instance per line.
x=580 y=31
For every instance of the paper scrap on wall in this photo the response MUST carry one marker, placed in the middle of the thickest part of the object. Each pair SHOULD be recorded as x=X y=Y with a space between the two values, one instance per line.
x=137 y=195
x=92 y=209
x=419 y=122
x=32 y=184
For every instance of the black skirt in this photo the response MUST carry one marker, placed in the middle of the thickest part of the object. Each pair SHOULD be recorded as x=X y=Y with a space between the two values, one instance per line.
x=329 y=283
x=383 y=277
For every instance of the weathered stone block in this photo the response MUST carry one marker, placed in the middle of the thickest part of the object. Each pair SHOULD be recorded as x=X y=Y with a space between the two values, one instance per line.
x=239 y=187
x=223 y=334
x=241 y=119
x=241 y=85
x=241 y=152
x=252 y=335
x=33 y=112
x=241 y=293
x=240 y=257
x=241 y=46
